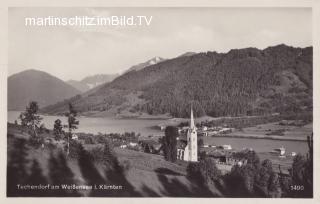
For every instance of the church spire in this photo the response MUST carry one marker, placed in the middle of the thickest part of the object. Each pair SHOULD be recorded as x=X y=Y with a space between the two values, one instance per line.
x=192 y=125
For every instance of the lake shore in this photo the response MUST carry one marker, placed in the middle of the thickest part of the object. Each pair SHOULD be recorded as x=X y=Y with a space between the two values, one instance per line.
x=268 y=137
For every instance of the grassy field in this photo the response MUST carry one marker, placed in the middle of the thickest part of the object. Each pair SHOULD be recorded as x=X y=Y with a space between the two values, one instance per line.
x=275 y=131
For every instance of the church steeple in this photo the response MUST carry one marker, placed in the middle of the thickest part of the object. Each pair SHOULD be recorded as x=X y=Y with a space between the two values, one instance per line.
x=192 y=125
x=192 y=140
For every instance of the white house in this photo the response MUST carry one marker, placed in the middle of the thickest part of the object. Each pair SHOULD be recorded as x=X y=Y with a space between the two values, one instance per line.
x=74 y=137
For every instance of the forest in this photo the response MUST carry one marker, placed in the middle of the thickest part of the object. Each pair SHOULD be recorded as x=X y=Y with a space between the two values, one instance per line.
x=241 y=82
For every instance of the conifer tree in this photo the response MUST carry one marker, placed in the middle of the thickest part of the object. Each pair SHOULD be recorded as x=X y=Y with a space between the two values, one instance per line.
x=72 y=124
x=170 y=143
x=30 y=118
x=57 y=129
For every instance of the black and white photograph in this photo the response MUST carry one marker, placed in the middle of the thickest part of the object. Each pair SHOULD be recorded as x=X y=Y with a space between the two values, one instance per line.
x=182 y=102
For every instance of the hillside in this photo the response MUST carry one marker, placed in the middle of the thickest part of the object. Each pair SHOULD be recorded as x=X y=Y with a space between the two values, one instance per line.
x=91 y=82
x=241 y=82
x=36 y=85
x=146 y=175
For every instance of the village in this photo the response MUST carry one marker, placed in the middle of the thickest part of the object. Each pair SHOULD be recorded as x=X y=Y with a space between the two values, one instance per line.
x=224 y=156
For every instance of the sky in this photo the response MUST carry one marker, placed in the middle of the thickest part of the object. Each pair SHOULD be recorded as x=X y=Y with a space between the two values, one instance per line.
x=74 y=52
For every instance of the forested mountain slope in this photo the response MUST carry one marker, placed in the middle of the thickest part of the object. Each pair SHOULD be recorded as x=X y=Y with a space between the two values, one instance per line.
x=241 y=82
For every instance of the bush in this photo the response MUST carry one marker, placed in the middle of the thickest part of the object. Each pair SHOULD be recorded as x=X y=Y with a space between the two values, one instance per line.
x=204 y=171
x=51 y=146
x=34 y=142
x=88 y=140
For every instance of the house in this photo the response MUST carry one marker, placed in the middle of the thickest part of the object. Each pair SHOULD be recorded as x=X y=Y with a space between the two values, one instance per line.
x=226 y=158
x=150 y=146
x=225 y=130
x=203 y=134
x=162 y=127
x=74 y=137
x=181 y=149
x=133 y=144
x=123 y=146
x=225 y=147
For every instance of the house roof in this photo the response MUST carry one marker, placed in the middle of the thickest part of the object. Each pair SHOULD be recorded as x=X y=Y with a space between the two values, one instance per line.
x=149 y=142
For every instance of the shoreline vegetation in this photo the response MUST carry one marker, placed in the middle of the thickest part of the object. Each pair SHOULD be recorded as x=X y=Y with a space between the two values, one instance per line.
x=238 y=123
x=268 y=137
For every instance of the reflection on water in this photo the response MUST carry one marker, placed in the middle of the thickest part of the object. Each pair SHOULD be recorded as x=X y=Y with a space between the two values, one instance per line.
x=144 y=127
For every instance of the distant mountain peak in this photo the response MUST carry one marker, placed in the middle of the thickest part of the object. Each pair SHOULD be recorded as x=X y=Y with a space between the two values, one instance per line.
x=187 y=54
x=152 y=61
x=92 y=81
x=155 y=60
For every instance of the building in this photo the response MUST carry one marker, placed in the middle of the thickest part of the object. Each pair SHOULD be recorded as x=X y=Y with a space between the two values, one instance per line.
x=188 y=150
x=74 y=137
x=150 y=146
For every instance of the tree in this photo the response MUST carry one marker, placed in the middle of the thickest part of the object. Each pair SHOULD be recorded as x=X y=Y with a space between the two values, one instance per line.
x=72 y=124
x=302 y=172
x=241 y=181
x=170 y=143
x=274 y=187
x=202 y=175
x=57 y=129
x=30 y=118
x=204 y=171
x=309 y=167
x=267 y=182
x=200 y=143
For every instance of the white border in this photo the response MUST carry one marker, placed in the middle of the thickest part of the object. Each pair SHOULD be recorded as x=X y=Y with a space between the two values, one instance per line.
x=4 y=4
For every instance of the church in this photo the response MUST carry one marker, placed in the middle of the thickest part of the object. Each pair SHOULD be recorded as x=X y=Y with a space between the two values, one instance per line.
x=187 y=150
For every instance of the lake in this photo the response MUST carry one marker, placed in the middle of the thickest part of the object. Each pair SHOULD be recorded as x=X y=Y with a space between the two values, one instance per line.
x=146 y=127
x=103 y=125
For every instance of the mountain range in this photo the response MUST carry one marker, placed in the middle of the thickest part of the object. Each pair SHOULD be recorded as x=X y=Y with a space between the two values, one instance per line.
x=247 y=81
x=91 y=82
x=33 y=85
